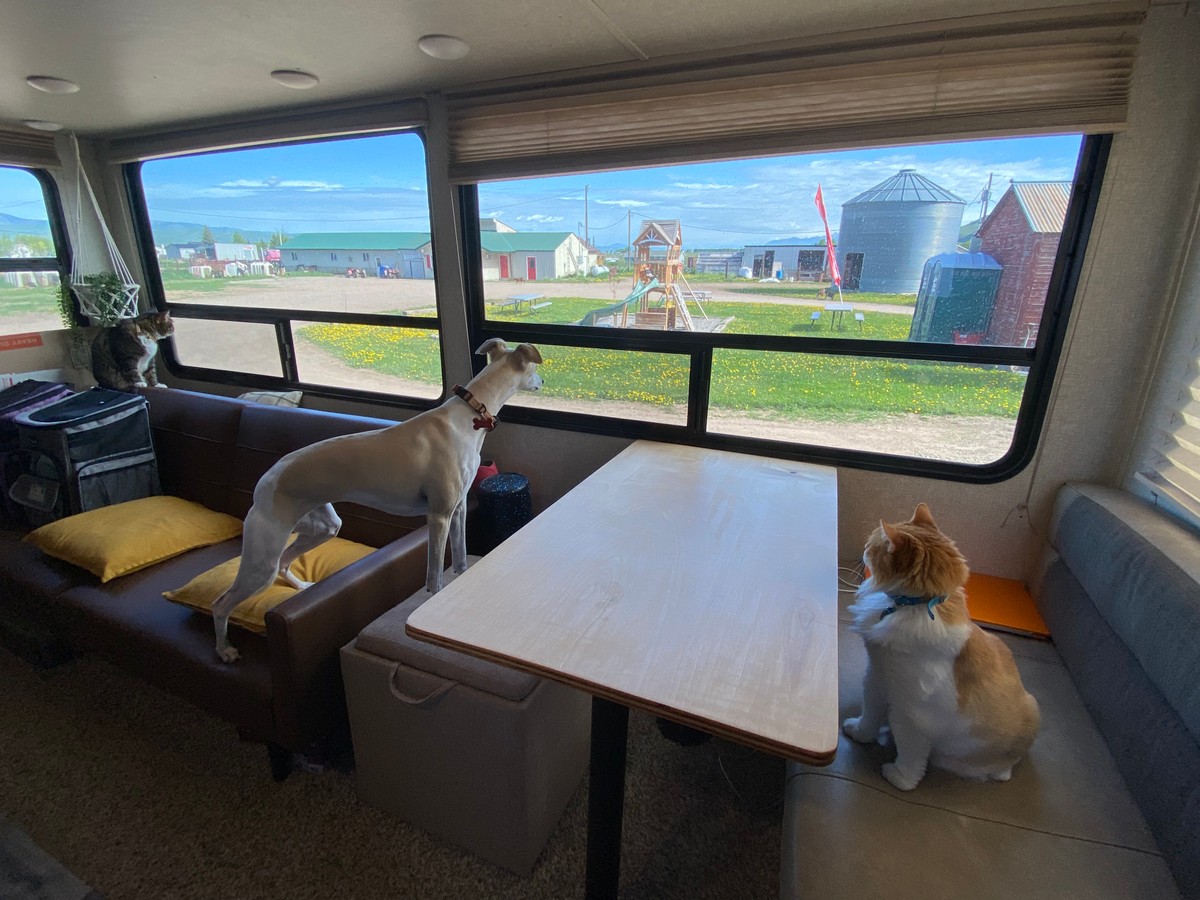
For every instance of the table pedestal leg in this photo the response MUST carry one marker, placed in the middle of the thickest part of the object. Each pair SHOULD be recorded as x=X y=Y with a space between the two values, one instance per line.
x=606 y=797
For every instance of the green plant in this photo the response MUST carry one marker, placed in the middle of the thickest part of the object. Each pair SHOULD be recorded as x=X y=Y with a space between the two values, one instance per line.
x=103 y=297
x=70 y=318
x=66 y=306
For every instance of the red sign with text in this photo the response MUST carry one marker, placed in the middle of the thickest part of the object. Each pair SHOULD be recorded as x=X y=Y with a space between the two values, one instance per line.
x=19 y=341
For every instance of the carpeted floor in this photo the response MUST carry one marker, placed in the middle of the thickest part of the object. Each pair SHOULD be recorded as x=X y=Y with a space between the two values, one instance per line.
x=144 y=797
x=27 y=872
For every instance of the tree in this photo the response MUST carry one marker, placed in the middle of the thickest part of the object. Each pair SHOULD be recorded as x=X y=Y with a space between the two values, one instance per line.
x=206 y=236
x=238 y=238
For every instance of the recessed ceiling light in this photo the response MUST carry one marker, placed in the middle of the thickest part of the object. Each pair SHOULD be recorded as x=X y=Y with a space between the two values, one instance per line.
x=51 y=85
x=41 y=125
x=296 y=79
x=443 y=46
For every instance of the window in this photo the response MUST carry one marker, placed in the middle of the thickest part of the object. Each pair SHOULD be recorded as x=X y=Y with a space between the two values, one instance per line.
x=32 y=253
x=222 y=226
x=1167 y=459
x=913 y=328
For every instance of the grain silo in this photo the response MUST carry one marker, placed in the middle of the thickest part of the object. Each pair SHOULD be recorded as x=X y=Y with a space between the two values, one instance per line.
x=889 y=231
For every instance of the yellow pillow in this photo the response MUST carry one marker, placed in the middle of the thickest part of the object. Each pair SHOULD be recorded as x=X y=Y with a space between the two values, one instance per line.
x=316 y=565
x=122 y=538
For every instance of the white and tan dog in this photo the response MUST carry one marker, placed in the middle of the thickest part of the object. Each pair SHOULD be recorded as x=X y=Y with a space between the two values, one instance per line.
x=423 y=466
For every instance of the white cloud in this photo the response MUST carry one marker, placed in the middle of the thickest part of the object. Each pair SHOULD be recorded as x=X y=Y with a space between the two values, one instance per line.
x=311 y=185
x=263 y=183
x=540 y=219
x=702 y=186
x=624 y=203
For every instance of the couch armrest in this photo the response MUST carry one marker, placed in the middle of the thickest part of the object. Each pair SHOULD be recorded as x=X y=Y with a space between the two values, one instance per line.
x=306 y=633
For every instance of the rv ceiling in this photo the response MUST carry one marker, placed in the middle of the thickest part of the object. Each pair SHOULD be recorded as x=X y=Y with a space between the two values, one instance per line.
x=143 y=65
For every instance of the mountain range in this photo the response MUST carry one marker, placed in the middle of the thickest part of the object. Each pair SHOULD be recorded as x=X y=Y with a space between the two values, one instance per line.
x=187 y=232
x=164 y=232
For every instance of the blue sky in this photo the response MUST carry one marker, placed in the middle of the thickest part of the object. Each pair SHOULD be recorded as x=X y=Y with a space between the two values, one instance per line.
x=378 y=184
x=21 y=195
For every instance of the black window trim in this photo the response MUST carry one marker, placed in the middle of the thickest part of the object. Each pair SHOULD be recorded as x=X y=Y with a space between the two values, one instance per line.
x=1041 y=360
x=61 y=262
x=281 y=319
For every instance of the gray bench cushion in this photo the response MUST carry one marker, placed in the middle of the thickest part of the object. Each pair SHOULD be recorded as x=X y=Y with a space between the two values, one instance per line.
x=1064 y=826
x=1155 y=752
x=1142 y=572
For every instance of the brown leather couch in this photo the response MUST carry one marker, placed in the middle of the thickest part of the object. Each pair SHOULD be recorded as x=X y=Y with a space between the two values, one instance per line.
x=286 y=690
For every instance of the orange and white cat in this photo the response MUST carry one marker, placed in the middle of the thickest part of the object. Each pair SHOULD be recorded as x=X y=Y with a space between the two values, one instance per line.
x=949 y=691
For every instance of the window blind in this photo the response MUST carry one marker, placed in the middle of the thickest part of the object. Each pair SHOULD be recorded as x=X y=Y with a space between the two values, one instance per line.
x=1046 y=71
x=1171 y=469
x=28 y=148
x=292 y=125
x=1167 y=469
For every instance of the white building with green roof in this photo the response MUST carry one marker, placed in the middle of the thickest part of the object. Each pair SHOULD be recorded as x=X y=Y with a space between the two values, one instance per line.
x=507 y=255
x=406 y=253
x=533 y=255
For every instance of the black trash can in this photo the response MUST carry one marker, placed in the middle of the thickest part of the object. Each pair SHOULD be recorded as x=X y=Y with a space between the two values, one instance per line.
x=505 y=504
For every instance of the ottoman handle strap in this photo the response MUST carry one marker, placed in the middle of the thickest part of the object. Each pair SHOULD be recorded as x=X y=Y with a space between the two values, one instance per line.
x=428 y=700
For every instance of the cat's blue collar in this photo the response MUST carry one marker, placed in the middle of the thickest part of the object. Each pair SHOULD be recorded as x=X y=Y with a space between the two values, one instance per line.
x=899 y=600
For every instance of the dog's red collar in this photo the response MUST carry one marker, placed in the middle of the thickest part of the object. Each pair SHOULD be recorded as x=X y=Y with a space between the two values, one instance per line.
x=485 y=419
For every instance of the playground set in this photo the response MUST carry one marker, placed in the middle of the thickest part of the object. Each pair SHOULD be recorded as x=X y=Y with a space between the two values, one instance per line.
x=660 y=295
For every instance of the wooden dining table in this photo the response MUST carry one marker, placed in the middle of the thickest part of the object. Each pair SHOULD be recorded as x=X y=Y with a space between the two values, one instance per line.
x=698 y=585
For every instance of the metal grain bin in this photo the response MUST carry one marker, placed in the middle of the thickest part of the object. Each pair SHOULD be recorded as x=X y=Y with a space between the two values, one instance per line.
x=888 y=232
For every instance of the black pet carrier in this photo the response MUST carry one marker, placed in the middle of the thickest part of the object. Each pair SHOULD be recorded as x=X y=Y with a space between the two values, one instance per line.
x=90 y=450
x=22 y=397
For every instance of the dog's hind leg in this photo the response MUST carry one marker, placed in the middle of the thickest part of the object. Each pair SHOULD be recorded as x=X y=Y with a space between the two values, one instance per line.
x=314 y=528
x=439 y=532
x=263 y=541
x=458 y=536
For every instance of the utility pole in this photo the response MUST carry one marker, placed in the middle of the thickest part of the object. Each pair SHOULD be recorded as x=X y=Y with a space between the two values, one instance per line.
x=629 y=236
x=984 y=197
x=586 y=238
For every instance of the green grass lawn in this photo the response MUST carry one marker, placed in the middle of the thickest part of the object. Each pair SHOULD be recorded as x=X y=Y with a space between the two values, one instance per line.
x=810 y=292
x=809 y=385
x=16 y=300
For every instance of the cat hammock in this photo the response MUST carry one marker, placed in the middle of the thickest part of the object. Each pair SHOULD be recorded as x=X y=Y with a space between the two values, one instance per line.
x=106 y=293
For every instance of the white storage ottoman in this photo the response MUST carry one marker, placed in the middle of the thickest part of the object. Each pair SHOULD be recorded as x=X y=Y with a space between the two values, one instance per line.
x=479 y=754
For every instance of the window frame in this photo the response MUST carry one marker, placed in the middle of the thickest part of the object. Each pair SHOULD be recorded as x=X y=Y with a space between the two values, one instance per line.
x=61 y=261
x=1041 y=360
x=280 y=319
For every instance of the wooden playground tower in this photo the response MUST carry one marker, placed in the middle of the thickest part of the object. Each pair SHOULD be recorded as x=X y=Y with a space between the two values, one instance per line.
x=658 y=252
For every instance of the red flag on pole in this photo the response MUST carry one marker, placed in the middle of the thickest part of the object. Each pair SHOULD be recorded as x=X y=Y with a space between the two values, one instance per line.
x=834 y=274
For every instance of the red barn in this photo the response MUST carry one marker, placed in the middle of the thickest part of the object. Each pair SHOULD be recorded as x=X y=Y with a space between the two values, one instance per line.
x=1022 y=234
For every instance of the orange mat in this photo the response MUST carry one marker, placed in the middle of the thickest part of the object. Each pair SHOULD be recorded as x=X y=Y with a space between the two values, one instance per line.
x=1004 y=604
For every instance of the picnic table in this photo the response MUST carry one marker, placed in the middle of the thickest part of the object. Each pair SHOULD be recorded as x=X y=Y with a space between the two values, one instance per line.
x=837 y=313
x=527 y=300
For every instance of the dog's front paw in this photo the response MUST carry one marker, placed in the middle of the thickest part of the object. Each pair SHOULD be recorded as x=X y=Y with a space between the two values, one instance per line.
x=856 y=732
x=228 y=653
x=898 y=779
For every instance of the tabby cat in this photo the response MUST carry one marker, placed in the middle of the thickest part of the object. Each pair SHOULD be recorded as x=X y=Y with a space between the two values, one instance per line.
x=123 y=354
x=949 y=691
